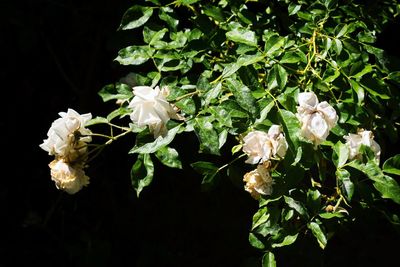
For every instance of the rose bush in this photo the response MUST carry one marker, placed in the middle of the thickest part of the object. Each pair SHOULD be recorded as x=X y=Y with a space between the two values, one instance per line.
x=247 y=77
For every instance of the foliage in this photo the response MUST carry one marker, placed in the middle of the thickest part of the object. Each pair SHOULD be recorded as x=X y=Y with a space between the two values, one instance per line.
x=239 y=66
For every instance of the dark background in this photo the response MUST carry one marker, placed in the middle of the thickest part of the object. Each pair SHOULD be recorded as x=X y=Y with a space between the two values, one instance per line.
x=57 y=54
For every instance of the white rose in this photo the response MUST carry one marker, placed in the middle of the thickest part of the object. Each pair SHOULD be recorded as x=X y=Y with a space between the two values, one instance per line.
x=150 y=108
x=261 y=146
x=61 y=135
x=255 y=147
x=354 y=142
x=259 y=181
x=68 y=178
x=277 y=141
x=329 y=113
x=308 y=100
x=316 y=119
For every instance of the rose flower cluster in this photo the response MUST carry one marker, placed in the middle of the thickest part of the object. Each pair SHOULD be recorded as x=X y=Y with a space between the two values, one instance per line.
x=67 y=141
x=316 y=121
x=68 y=138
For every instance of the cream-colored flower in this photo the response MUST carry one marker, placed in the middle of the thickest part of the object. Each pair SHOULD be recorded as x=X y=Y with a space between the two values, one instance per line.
x=259 y=181
x=65 y=132
x=67 y=177
x=255 y=147
x=277 y=142
x=316 y=119
x=261 y=146
x=150 y=108
x=354 y=142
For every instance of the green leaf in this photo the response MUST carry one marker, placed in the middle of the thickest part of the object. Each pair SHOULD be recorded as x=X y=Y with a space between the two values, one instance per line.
x=341 y=30
x=268 y=260
x=117 y=91
x=293 y=57
x=186 y=2
x=359 y=90
x=157 y=144
x=214 y=12
x=291 y=127
x=207 y=169
x=134 y=55
x=273 y=43
x=386 y=185
x=260 y=217
x=392 y=165
x=208 y=137
x=241 y=61
x=375 y=87
x=236 y=148
x=341 y=154
x=142 y=172
x=187 y=105
x=367 y=69
x=318 y=233
x=330 y=4
x=242 y=35
x=230 y=69
x=297 y=206
x=222 y=138
x=338 y=46
x=264 y=112
x=281 y=76
x=255 y=242
x=97 y=120
x=243 y=96
x=171 y=21
x=152 y=37
x=345 y=183
x=313 y=200
x=121 y=112
x=212 y=94
x=394 y=76
x=169 y=157
x=135 y=17
x=288 y=240
x=293 y=8
x=330 y=215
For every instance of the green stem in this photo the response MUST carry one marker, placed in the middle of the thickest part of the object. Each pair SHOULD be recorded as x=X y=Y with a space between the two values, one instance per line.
x=186 y=95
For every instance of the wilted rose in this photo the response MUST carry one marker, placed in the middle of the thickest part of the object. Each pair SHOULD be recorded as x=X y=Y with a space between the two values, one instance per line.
x=259 y=181
x=67 y=177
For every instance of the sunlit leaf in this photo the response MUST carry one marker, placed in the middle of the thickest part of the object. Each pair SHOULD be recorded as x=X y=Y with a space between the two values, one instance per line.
x=135 y=17
x=392 y=165
x=268 y=260
x=156 y=144
x=318 y=233
x=169 y=157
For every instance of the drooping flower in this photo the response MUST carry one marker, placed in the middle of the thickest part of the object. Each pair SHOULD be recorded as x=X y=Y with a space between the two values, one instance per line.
x=67 y=177
x=259 y=181
x=316 y=119
x=67 y=135
x=363 y=137
x=150 y=108
x=261 y=146
x=67 y=141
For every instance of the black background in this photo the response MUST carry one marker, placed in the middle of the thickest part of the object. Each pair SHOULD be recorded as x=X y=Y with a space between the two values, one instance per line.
x=57 y=54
